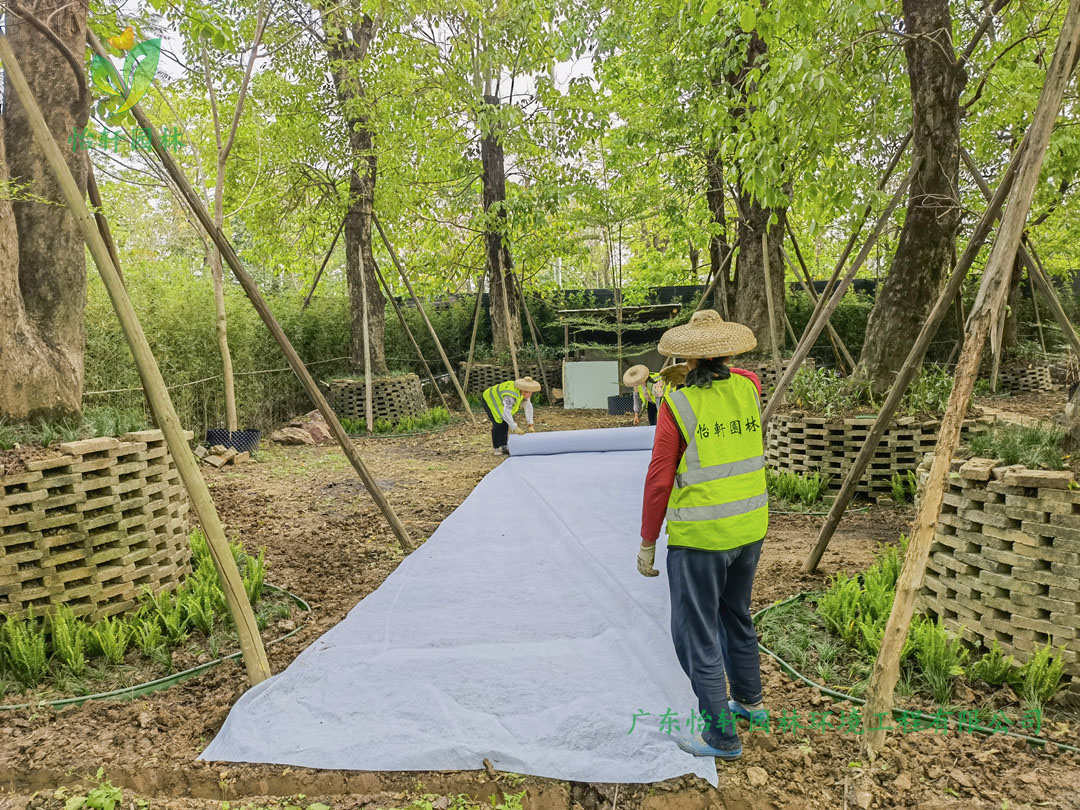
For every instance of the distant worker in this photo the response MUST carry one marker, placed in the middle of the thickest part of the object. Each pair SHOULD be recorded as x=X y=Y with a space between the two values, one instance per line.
x=501 y=402
x=707 y=477
x=649 y=389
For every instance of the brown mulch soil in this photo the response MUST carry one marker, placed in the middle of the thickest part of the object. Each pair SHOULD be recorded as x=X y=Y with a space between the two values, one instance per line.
x=1041 y=405
x=326 y=541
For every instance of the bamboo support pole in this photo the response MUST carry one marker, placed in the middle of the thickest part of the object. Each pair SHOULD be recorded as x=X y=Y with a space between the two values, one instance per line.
x=840 y=349
x=475 y=326
x=506 y=315
x=817 y=323
x=94 y=194
x=716 y=277
x=325 y=261
x=369 y=410
x=251 y=646
x=252 y=291
x=535 y=338
x=1035 y=306
x=423 y=314
x=409 y=332
x=1026 y=254
x=913 y=362
x=987 y=309
x=769 y=303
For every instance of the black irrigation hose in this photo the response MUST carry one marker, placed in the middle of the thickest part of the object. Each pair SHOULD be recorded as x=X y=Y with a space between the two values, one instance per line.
x=860 y=702
x=140 y=689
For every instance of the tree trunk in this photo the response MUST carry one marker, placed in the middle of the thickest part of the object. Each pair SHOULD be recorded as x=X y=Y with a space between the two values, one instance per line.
x=926 y=248
x=499 y=267
x=1010 y=332
x=347 y=47
x=719 y=250
x=42 y=258
x=751 y=302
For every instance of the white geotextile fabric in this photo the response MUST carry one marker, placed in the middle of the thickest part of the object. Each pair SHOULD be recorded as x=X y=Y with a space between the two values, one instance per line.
x=520 y=632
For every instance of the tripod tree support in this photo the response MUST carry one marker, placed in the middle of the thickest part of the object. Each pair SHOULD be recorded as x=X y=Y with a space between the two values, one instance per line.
x=913 y=362
x=423 y=314
x=987 y=309
x=408 y=331
x=821 y=315
x=252 y=291
x=325 y=261
x=251 y=646
x=475 y=326
x=535 y=337
x=806 y=281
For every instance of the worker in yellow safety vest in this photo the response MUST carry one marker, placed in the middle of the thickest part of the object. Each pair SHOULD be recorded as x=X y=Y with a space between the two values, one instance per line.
x=649 y=389
x=707 y=478
x=501 y=402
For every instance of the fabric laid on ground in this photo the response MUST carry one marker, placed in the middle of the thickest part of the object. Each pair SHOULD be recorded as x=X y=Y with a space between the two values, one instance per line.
x=605 y=440
x=520 y=632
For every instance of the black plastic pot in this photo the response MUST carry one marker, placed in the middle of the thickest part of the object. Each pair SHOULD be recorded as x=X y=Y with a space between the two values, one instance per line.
x=619 y=404
x=240 y=440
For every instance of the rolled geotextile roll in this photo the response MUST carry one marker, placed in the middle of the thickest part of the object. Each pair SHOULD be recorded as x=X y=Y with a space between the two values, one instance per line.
x=598 y=440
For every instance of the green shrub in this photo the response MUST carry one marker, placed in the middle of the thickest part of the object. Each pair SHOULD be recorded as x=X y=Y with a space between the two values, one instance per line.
x=839 y=606
x=823 y=391
x=904 y=486
x=1040 y=678
x=68 y=636
x=23 y=646
x=796 y=489
x=254 y=576
x=110 y=638
x=940 y=657
x=994 y=667
x=148 y=636
x=1035 y=446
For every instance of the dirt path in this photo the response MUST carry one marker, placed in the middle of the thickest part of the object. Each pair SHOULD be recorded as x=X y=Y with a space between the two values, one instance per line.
x=325 y=540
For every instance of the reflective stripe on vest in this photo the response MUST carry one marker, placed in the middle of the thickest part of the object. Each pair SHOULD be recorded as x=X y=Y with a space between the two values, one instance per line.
x=645 y=390
x=719 y=500
x=493 y=397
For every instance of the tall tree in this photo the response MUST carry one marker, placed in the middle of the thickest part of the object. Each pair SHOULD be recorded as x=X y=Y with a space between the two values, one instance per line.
x=349 y=36
x=926 y=247
x=42 y=258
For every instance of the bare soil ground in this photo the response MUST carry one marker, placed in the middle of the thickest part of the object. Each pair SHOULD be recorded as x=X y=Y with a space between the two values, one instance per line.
x=325 y=540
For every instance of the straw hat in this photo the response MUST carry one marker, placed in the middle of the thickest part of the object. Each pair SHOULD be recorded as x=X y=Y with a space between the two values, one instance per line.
x=527 y=384
x=675 y=374
x=707 y=335
x=635 y=375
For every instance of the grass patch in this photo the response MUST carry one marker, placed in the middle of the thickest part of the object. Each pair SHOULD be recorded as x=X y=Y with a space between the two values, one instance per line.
x=795 y=492
x=96 y=421
x=1035 y=446
x=431 y=419
x=823 y=391
x=68 y=654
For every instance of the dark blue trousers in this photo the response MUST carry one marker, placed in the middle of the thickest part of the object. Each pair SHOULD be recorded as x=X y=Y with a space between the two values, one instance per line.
x=713 y=631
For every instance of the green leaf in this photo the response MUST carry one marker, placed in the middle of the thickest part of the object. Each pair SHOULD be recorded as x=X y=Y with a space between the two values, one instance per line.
x=708 y=11
x=139 y=69
x=75 y=803
x=747 y=19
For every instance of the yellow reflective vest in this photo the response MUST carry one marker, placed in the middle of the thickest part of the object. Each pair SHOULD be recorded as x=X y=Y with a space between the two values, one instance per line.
x=645 y=390
x=493 y=397
x=719 y=500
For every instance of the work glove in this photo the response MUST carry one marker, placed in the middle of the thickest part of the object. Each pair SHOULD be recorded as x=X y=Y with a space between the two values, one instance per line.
x=658 y=391
x=517 y=431
x=637 y=419
x=531 y=428
x=646 y=556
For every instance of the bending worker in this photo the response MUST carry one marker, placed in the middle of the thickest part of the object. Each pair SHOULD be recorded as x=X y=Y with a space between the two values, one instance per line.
x=501 y=402
x=707 y=476
x=649 y=388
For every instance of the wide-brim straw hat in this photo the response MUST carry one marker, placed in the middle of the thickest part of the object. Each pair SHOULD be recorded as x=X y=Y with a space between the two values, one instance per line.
x=707 y=335
x=527 y=384
x=635 y=375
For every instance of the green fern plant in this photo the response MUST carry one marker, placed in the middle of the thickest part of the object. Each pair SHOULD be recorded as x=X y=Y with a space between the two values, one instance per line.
x=24 y=650
x=1040 y=677
x=148 y=636
x=110 y=638
x=255 y=576
x=994 y=667
x=839 y=606
x=68 y=639
x=940 y=656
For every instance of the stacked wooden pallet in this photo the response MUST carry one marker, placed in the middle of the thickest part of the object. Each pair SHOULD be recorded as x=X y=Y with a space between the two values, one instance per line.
x=1005 y=564
x=392 y=398
x=484 y=375
x=92 y=527
x=1022 y=380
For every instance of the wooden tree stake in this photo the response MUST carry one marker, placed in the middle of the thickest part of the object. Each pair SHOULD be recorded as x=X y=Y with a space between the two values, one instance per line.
x=423 y=314
x=475 y=326
x=840 y=349
x=251 y=646
x=369 y=410
x=535 y=338
x=252 y=291
x=988 y=307
x=817 y=323
x=913 y=362
x=769 y=303
x=326 y=259
x=408 y=331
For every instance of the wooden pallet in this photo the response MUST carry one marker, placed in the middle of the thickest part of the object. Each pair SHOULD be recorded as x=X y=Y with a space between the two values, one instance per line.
x=484 y=375
x=93 y=527
x=1005 y=564
x=1022 y=380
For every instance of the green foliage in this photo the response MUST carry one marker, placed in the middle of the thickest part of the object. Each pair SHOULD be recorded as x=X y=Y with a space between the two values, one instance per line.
x=254 y=573
x=102 y=796
x=823 y=391
x=23 y=650
x=940 y=657
x=1040 y=677
x=1035 y=446
x=796 y=489
x=97 y=421
x=68 y=636
x=904 y=486
x=110 y=638
x=432 y=419
x=994 y=667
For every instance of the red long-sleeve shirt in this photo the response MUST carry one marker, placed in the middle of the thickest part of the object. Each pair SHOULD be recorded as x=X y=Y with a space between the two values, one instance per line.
x=668 y=448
